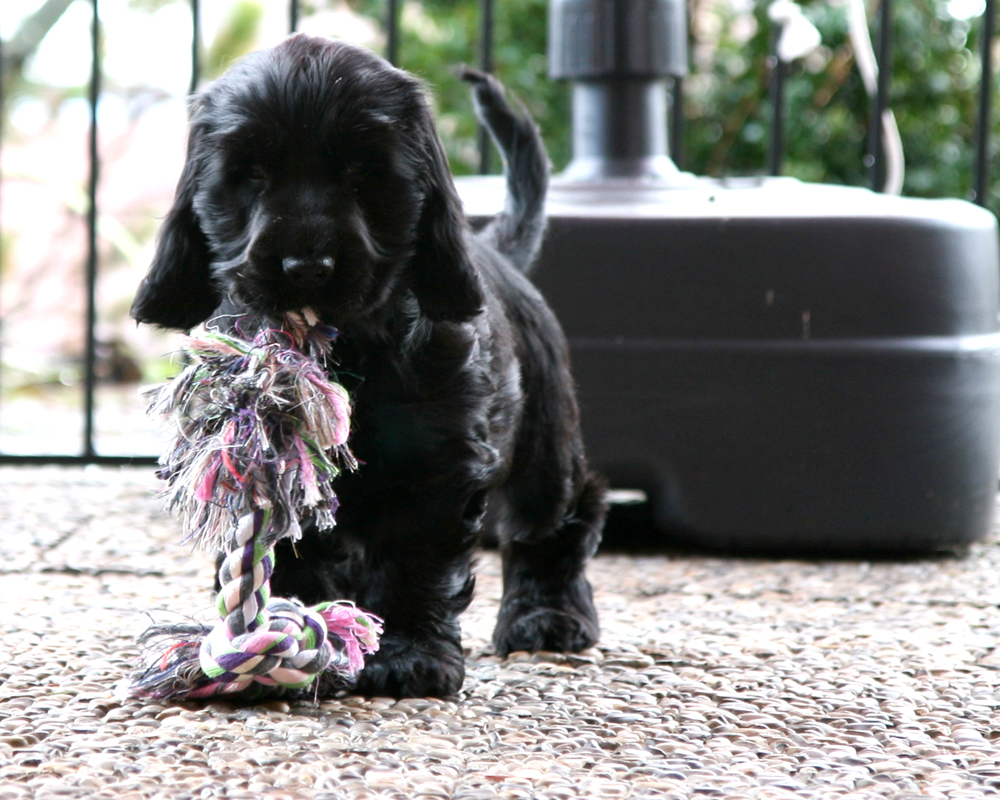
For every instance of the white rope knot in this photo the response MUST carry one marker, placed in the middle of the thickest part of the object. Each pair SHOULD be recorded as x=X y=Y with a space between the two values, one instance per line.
x=276 y=642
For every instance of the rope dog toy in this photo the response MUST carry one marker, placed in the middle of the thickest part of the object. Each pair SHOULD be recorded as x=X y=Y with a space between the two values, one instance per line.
x=259 y=431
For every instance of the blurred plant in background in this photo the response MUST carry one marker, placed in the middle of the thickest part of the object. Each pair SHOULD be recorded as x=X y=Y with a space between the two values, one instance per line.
x=438 y=35
x=727 y=109
x=145 y=58
x=935 y=75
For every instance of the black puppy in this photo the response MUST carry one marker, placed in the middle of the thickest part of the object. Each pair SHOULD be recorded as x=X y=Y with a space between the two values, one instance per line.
x=315 y=178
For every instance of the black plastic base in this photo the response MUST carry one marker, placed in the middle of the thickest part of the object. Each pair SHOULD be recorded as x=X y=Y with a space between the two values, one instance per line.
x=783 y=368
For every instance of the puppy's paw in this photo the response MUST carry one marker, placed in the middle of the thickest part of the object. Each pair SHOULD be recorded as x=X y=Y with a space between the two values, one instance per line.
x=404 y=668
x=560 y=630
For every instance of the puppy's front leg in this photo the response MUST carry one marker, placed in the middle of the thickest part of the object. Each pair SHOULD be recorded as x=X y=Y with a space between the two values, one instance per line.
x=417 y=578
x=419 y=598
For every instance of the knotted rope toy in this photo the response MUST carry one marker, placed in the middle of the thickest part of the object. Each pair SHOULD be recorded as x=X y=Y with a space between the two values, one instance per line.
x=260 y=431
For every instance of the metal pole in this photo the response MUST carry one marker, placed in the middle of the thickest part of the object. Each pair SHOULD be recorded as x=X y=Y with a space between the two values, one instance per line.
x=981 y=178
x=195 y=45
x=779 y=72
x=881 y=101
x=486 y=65
x=1 y=227
x=392 y=33
x=90 y=375
x=293 y=16
x=676 y=137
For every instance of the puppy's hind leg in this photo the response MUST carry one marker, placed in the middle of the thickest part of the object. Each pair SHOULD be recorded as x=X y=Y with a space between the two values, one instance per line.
x=547 y=601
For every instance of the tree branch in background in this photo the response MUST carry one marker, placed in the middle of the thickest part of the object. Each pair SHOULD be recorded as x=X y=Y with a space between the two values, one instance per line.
x=838 y=71
x=29 y=35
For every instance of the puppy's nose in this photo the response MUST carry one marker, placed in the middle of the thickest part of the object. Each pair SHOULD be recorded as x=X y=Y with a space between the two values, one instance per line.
x=307 y=271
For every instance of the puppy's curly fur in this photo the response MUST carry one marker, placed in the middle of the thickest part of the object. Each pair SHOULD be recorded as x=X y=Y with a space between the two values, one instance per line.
x=315 y=178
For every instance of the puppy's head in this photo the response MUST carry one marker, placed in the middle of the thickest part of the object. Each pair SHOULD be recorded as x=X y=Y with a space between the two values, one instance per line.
x=314 y=177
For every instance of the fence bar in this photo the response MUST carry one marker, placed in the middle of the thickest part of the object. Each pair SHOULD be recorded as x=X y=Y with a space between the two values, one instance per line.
x=90 y=373
x=195 y=46
x=776 y=89
x=982 y=174
x=486 y=65
x=78 y=461
x=293 y=16
x=676 y=137
x=392 y=32
x=881 y=100
x=2 y=100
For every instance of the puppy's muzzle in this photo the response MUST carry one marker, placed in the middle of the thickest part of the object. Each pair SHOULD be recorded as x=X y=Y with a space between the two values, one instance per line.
x=309 y=271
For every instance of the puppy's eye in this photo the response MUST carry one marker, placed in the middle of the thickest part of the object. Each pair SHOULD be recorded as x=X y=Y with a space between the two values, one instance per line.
x=257 y=173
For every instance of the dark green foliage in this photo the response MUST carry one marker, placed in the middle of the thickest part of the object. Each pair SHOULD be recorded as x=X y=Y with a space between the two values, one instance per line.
x=727 y=109
x=235 y=38
x=438 y=35
x=935 y=75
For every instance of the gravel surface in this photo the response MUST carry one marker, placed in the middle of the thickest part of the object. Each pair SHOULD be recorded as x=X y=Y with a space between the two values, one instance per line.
x=715 y=678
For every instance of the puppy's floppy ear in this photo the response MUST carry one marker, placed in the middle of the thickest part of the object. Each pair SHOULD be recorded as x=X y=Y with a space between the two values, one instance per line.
x=444 y=279
x=178 y=291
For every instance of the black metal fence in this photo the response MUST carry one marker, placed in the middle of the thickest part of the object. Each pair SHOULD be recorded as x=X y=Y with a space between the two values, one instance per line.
x=88 y=452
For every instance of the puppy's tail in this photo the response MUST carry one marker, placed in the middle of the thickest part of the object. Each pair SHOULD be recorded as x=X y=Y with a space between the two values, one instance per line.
x=517 y=230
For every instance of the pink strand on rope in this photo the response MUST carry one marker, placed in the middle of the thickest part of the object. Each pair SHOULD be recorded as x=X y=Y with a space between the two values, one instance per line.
x=207 y=485
x=344 y=622
x=312 y=496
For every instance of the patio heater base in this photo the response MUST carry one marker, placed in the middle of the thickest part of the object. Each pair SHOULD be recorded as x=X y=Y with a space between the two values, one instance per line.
x=783 y=368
